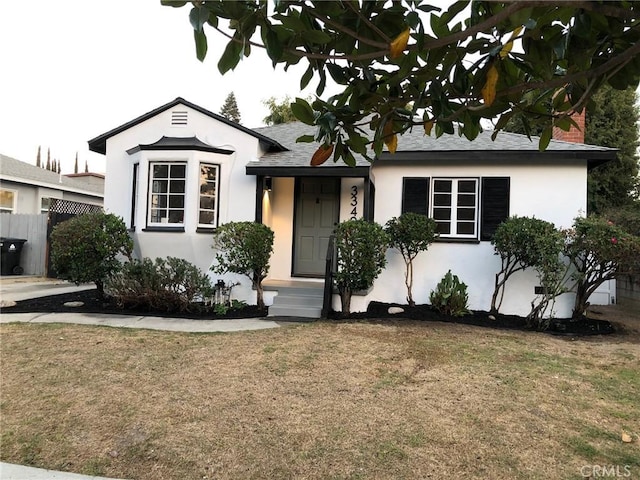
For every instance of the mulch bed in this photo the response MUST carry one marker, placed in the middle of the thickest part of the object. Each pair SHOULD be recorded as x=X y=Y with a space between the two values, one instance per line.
x=376 y=311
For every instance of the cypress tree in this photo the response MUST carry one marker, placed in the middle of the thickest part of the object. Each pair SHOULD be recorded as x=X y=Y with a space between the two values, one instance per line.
x=48 y=167
x=38 y=160
x=75 y=167
x=230 y=109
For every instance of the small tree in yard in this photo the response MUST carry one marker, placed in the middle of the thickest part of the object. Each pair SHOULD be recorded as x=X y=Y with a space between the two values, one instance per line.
x=521 y=243
x=361 y=247
x=410 y=233
x=86 y=248
x=599 y=251
x=244 y=248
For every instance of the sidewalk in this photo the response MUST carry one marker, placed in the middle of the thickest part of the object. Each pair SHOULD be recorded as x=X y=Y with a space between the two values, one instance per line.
x=22 y=288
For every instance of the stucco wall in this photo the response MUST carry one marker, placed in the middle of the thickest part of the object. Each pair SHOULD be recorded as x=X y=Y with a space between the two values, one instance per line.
x=553 y=192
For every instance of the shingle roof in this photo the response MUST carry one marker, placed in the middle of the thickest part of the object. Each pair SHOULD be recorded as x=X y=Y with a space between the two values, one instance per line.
x=414 y=141
x=15 y=170
x=179 y=143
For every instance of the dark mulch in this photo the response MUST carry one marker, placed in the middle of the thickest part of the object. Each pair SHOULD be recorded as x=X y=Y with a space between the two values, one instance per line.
x=375 y=312
x=92 y=304
x=558 y=326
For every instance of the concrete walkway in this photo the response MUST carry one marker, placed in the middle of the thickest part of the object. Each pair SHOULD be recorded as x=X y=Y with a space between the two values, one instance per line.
x=23 y=288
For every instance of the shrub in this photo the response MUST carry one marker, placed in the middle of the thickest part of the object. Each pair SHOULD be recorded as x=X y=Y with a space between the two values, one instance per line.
x=86 y=248
x=170 y=285
x=599 y=251
x=521 y=243
x=361 y=247
x=450 y=296
x=410 y=233
x=244 y=248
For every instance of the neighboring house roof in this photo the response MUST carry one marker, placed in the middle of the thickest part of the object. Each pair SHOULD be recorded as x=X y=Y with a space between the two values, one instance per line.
x=180 y=143
x=414 y=145
x=13 y=170
x=99 y=143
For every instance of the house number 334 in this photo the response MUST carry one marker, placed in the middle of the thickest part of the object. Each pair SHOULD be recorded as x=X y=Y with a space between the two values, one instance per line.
x=354 y=203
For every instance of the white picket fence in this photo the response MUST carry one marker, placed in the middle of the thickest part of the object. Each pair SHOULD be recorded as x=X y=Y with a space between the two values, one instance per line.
x=33 y=228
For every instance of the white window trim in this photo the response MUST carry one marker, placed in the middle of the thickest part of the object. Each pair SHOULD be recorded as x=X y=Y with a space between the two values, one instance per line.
x=217 y=196
x=15 y=201
x=150 y=179
x=454 y=207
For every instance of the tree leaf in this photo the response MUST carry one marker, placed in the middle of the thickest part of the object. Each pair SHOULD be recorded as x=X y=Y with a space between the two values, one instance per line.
x=198 y=16
x=399 y=43
x=230 y=57
x=321 y=155
x=303 y=111
x=305 y=139
x=545 y=138
x=201 y=44
x=489 y=89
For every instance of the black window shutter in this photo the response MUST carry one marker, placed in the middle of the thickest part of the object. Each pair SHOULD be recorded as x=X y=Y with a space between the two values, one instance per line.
x=495 y=205
x=415 y=195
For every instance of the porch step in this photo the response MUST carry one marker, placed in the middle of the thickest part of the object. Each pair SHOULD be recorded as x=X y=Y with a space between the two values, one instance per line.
x=297 y=302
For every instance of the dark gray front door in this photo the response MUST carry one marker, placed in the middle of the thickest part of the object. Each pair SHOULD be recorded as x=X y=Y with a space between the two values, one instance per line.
x=317 y=212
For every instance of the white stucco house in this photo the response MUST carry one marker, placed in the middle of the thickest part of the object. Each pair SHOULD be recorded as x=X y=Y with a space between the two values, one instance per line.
x=177 y=172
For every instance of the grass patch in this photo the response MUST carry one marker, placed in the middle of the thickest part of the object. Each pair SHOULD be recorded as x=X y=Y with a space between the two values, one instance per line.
x=325 y=401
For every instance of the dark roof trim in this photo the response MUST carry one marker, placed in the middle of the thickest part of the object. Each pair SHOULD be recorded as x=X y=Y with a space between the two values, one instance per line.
x=359 y=172
x=99 y=143
x=179 y=143
x=593 y=158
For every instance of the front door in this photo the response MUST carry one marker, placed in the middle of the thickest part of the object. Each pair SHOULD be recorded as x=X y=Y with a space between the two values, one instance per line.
x=317 y=213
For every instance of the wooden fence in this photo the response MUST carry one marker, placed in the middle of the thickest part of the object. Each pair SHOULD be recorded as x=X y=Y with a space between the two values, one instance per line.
x=628 y=290
x=33 y=228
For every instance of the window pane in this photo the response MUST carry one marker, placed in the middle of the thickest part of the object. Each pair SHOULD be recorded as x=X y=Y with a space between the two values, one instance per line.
x=207 y=218
x=466 y=200
x=161 y=171
x=466 y=228
x=176 y=201
x=208 y=189
x=208 y=173
x=442 y=214
x=442 y=200
x=467 y=186
x=176 y=186
x=159 y=186
x=158 y=201
x=178 y=171
x=176 y=216
x=158 y=215
x=442 y=185
x=466 y=214
x=208 y=203
x=6 y=199
x=443 y=228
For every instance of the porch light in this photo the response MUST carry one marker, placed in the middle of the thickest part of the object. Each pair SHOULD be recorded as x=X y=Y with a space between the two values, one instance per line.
x=268 y=184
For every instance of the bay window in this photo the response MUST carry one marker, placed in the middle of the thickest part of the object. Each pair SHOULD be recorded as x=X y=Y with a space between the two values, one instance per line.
x=167 y=188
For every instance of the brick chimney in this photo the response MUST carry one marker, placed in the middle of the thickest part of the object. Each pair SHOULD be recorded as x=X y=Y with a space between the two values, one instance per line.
x=574 y=135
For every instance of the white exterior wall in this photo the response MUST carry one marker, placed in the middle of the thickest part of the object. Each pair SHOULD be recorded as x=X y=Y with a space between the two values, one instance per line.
x=556 y=193
x=28 y=198
x=236 y=189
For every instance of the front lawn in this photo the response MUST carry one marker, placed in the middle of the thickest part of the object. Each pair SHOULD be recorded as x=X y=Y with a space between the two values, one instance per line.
x=325 y=400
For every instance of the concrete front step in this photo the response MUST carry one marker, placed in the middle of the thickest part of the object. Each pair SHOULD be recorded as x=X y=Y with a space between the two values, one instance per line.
x=297 y=302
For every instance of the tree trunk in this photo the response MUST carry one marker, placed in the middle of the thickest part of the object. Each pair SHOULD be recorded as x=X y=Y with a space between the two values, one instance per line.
x=345 y=300
x=408 y=281
x=100 y=289
x=581 y=303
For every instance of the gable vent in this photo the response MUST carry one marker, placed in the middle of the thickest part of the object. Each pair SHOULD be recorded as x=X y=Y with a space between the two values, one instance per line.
x=179 y=118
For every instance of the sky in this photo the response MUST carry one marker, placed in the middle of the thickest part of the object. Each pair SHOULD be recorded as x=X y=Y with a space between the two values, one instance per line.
x=71 y=70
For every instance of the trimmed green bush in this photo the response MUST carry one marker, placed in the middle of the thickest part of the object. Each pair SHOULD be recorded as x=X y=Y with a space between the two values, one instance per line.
x=244 y=248
x=599 y=250
x=86 y=248
x=410 y=233
x=361 y=248
x=169 y=285
x=450 y=296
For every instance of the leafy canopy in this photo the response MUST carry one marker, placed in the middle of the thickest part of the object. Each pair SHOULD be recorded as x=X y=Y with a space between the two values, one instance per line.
x=87 y=248
x=472 y=61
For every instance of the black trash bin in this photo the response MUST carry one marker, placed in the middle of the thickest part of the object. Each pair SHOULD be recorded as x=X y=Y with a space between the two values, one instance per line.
x=10 y=249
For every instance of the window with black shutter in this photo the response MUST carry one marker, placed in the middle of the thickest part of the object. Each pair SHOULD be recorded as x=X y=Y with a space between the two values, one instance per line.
x=415 y=195
x=495 y=204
